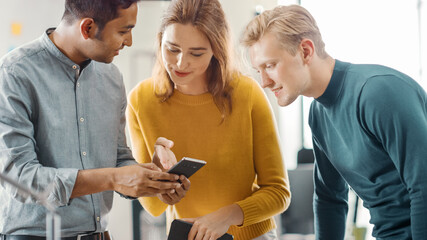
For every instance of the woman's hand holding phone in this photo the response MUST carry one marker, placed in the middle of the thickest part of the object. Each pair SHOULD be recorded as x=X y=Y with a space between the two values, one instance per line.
x=165 y=159
x=215 y=224
x=173 y=198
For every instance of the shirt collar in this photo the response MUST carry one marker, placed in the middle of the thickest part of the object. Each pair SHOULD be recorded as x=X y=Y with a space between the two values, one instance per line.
x=52 y=49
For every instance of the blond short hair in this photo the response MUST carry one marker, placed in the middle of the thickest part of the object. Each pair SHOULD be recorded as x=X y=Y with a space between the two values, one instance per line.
x=290 y=24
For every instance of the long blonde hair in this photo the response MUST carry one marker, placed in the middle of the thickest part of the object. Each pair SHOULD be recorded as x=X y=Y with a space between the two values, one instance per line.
x=209 y=18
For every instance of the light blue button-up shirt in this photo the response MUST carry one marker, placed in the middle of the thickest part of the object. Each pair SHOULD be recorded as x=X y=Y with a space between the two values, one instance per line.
x=56 y=118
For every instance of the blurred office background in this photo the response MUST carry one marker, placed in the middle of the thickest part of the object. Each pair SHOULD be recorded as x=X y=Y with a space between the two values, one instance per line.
x=387 y=32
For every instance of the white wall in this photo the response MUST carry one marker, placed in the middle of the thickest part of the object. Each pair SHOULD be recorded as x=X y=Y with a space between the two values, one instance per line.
x=33 y=16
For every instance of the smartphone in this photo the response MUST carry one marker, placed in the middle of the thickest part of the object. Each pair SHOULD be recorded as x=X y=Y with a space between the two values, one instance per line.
x=187 y=166
x=180 y=229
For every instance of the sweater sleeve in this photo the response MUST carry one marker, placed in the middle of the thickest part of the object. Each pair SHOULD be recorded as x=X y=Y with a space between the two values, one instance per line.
x=273 y=195
x=330 y=198
x=140 y=151
x=394 y=111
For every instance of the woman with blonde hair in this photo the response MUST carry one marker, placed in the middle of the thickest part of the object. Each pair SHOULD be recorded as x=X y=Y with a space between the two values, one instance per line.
x=198 y=99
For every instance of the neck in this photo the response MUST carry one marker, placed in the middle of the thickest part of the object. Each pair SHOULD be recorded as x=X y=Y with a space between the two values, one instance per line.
x=193 y=88
x=321 y=72
x=65 y=38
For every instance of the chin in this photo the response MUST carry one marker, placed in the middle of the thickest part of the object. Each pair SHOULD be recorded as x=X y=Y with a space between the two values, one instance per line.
x=176 y=80
x=109 y=60
x=104 y=59
x=282 y=104
x=285 y=102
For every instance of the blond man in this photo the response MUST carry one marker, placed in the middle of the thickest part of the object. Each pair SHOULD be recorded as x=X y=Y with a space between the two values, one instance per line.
x=369 y=125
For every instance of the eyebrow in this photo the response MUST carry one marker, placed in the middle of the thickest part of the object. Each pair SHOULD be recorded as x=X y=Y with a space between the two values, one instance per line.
x=129 y=26
x=193 y=48
x=267 y=61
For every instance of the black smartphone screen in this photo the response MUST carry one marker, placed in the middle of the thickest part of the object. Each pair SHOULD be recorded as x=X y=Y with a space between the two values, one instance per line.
x=187 y=166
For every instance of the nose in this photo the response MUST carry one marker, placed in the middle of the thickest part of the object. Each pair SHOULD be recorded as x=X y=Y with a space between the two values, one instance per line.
x=128 y=40
x=182 y=61
x=266 y=81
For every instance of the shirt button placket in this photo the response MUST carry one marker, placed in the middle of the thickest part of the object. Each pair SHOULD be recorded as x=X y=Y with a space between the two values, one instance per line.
x=76 y=68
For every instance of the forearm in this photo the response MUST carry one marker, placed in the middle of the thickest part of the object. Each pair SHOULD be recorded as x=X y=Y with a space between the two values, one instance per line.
x=93 y=181
x=418 y=219
x=134 y=181
x=234 y=214
x=264 y=203
x=330 y=220
x=58 y=182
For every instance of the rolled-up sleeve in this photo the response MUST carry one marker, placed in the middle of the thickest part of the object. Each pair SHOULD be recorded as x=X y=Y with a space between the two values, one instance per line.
x=18 y=149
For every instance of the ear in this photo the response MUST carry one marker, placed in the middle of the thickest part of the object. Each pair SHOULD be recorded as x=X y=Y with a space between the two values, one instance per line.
x=87 y=28
x=307 y=50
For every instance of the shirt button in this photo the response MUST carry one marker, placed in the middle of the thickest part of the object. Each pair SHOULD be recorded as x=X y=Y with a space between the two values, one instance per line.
x=74 y=67
x=97 y=219
x=78 y=84
x=82 y=119
x=84 y=153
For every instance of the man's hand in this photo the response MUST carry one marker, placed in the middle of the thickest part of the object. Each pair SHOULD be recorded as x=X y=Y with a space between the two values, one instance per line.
x=142 y=180
x=163 y=156
x=173 y=198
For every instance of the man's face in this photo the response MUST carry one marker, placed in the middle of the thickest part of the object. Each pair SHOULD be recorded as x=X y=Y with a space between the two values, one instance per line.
x=116 y=34
x=284 y=74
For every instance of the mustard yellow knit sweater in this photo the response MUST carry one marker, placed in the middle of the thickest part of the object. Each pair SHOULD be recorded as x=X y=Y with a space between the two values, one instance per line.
x=244 y=163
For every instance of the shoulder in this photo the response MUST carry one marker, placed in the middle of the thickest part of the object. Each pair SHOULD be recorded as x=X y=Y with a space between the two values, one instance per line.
x=143 y=90
x=391 y=98
x=243 y=81
x=22 y=55
x=377 y=76
x=389 y=88
x=17 y=66
x=246 y=87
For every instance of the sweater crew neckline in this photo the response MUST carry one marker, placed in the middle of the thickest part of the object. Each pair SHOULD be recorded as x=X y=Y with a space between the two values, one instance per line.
x=334 y=89
x=186 y=99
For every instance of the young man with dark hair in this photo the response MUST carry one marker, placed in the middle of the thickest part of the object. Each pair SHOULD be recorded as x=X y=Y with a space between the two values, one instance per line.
x=62 y=123
x=369 y=125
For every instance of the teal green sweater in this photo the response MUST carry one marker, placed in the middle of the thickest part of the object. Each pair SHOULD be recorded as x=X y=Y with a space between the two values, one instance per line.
x=370 y=133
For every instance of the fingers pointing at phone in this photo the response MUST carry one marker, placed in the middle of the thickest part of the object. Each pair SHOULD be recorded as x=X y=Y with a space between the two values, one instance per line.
x=163 y=156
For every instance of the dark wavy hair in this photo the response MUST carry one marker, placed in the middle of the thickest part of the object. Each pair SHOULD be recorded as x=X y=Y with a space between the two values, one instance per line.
x=101 y=11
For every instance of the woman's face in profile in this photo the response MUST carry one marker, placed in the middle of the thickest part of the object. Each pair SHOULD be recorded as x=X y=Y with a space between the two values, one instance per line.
x=186 y=54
